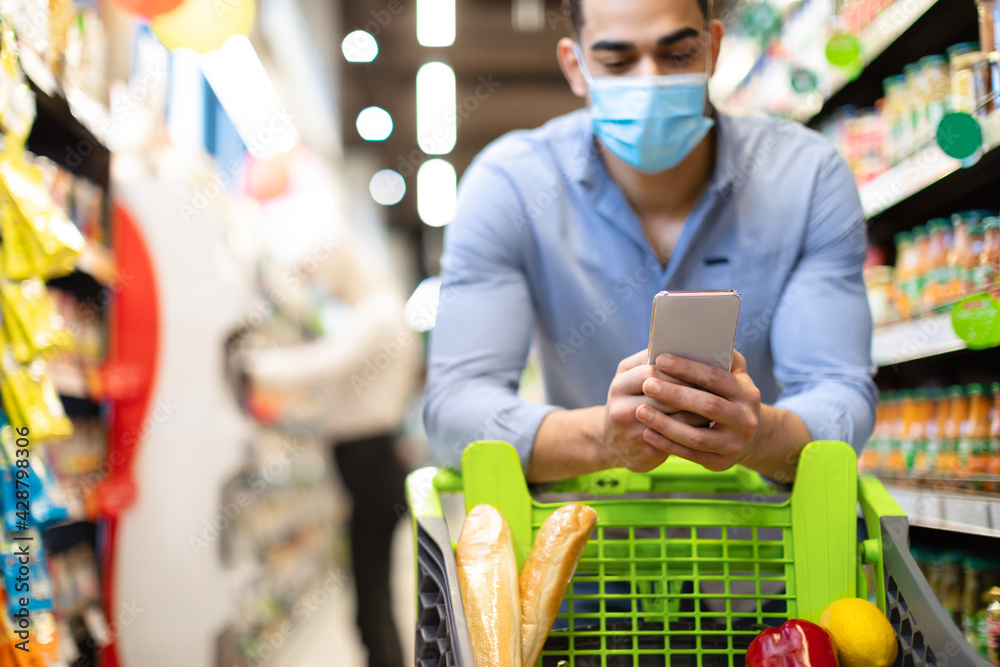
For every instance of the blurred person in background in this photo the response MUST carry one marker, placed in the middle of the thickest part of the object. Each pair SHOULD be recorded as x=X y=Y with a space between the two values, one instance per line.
x=565 y=233
x=363 y=369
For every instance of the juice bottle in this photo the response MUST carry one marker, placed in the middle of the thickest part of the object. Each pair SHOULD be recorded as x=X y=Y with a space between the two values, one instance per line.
x=904 y=286
x=868 y=461
x=938 y=287
x=993 y=467
x=948 y=464
x=973 y=451
x=989 y=259
x=971 y=279
x=895 y=464
x=887 y=440
x=913 y=414
x=926 y=459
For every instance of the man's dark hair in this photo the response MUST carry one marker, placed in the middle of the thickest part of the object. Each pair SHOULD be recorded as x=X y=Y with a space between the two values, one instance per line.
x=572 y=8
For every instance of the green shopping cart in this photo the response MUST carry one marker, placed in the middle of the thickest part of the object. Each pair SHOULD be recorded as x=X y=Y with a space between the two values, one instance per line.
x=685 y=563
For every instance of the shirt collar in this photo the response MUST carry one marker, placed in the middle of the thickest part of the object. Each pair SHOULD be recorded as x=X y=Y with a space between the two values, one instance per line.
x=585 y=165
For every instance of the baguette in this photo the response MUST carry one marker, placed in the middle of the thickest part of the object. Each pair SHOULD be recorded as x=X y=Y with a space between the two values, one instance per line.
x=546 y=573
x=487 y=577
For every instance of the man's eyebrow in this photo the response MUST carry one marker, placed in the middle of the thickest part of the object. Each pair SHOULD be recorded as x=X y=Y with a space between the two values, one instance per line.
x=666 y=40
x=675 y=37
x=608 y=45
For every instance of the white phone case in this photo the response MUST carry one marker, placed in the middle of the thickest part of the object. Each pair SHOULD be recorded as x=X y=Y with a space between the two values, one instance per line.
x=700 y=326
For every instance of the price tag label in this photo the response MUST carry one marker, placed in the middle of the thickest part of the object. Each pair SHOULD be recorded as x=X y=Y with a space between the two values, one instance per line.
x=976 y=321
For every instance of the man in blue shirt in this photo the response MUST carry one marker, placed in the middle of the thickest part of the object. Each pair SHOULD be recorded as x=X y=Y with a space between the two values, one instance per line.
x=564 y=234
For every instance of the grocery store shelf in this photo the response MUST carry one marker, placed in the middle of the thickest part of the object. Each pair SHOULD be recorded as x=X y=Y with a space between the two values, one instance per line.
x=915 y=339
x=891 y=24
x=919 y=172
x=875 y=38
x=975 y=514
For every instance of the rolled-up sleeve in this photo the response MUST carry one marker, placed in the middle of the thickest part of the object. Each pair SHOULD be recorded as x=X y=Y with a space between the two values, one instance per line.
x=480 y=342
x=822 y=328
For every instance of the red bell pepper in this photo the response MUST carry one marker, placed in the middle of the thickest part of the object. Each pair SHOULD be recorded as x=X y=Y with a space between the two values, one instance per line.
x=795 y=644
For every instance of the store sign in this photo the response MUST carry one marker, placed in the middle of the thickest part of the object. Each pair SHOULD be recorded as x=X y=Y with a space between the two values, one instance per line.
x=976 y=321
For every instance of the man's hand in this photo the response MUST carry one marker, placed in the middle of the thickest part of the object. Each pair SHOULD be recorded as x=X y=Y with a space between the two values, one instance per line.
x=729 y=400
x=624 y=439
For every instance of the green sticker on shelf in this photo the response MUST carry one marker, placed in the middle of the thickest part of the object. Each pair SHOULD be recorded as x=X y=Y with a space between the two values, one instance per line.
x=844 y=50
x=976 y=321
x=959 y=135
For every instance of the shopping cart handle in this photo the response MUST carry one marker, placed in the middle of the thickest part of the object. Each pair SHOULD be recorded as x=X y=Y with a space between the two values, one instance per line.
x=676 y=475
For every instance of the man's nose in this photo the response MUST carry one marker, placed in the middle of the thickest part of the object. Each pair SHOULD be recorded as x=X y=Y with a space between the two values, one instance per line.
x=649 y=66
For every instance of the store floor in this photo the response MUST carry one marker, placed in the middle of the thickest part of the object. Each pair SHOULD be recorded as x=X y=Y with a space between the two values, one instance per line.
x=330 y=638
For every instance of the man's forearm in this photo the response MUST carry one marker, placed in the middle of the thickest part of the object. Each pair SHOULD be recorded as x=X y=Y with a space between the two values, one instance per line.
x=568 y=444
x=781 y=437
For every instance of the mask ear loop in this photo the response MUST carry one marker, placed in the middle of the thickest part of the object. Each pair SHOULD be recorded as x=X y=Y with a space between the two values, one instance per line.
x=583 y=65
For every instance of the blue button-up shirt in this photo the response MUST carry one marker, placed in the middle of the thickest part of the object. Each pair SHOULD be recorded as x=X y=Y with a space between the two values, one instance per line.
x=545 y=249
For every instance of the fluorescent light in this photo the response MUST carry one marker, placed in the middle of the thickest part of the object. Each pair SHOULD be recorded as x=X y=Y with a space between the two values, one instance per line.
x=359 y=47
x=437 y=117
x=249 y=97
x=436 y=22
x=437 y=187
x=387 y=187
x=374 y=124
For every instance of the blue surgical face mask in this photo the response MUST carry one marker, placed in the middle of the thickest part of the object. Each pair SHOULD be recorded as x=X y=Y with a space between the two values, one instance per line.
x=649 y=122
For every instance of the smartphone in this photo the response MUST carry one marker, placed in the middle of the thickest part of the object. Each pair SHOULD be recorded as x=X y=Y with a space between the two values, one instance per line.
x=700 y=326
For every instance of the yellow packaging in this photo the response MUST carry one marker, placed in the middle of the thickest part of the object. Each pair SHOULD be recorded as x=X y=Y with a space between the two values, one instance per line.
x=17 y=252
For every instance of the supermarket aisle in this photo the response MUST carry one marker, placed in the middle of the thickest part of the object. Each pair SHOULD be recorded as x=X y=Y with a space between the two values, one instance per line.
x=330 y=637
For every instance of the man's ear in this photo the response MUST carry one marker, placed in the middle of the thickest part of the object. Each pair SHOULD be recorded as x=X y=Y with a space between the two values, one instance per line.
x=716 y=30
x=570 y=67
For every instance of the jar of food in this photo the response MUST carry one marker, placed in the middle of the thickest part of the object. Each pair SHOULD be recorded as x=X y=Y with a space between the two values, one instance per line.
x=879 y=281
x=915 y=105
x=962 y=61
x=971 y=274
x=973 y=450
x=989 y=259
x=975 y=585
x=937 y=85
x=952 y=586
x=894 y=123
x=939 y=287
x=993 y=627
x=921 y=250
x=989 y=16
x=905 y=276
x=887 y=438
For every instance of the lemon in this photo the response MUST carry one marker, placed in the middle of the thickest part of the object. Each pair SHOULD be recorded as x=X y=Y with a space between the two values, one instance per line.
x=862 y=633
